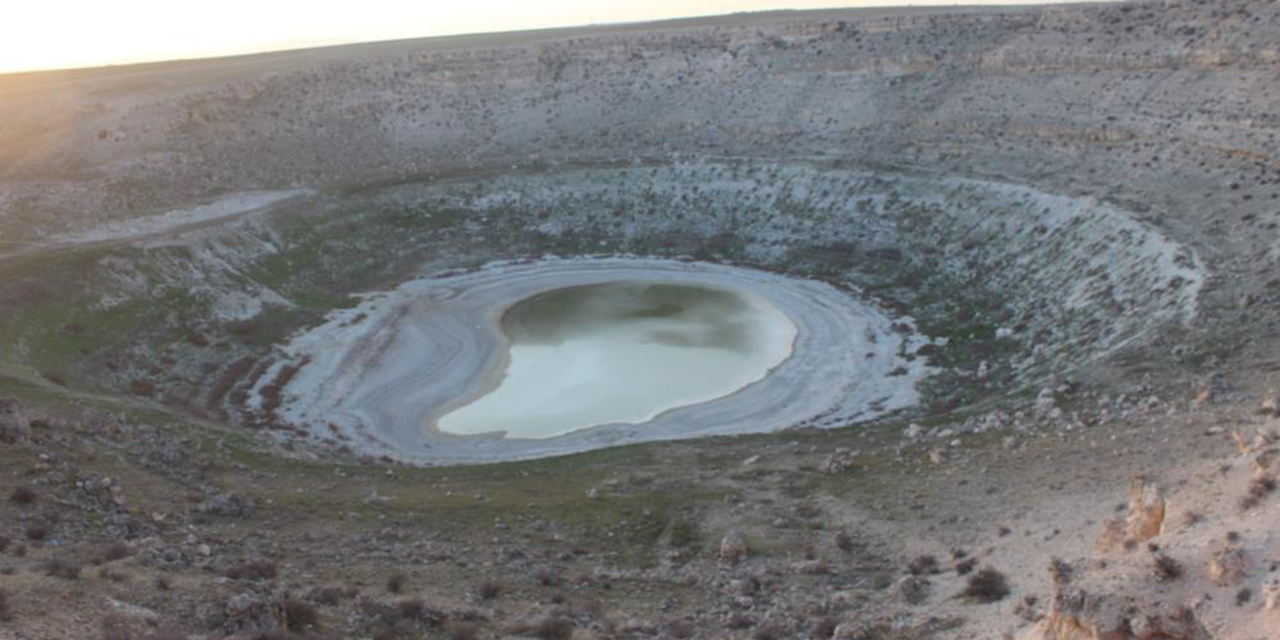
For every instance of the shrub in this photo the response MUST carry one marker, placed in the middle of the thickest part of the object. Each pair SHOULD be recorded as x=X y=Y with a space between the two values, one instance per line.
x=329 y=596
x=769 y=632
x=489 y=590
x=4 y=543
x=24 y=496
x=1166 y=568
x=462 y=631
x=825 y=628
x=412 y=609
x=113 y=552
x=37 y=532
x=299 y=615
x=6 y=613
x=986 y=586
x=554 y=626
x=397 y=582
x=844 y=541
x=257 y=570
x=1258 y=489
x=62 y=568
x=923 y=565
x=143 y=388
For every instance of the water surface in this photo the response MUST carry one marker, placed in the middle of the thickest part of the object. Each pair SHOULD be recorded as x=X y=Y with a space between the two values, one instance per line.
x=624 y=352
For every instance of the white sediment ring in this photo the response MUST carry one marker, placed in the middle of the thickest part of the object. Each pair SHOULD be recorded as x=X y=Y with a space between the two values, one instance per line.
x=436 y=342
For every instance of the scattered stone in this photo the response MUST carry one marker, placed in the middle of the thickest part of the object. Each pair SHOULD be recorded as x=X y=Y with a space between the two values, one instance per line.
x=838 y=462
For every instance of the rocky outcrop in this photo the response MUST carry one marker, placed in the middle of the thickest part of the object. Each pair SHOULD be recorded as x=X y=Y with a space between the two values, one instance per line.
x=1143 y=522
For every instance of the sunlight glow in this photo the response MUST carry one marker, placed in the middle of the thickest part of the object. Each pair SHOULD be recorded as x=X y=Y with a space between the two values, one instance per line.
x=52 y=34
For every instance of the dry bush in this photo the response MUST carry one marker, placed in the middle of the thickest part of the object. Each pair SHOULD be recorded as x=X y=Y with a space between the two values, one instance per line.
x=551 y=627
x=986 y=586
x=396 y=583
x=924 y=565
x=24 y=496
x=329 y=596
x=411 y=609
x=6 y=612
x=1258 y=489
x=1166 y=568
x=489 y=590
x=844 y=542
x=112 y=553
x=256 y=570
x=824 y=628
x=143 y=388
x=298 y=615
x=771 y=631
x=462 y=631
x=62 y=568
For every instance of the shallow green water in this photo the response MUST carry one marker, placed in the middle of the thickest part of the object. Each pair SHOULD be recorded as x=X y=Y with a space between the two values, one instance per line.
x=624 y=352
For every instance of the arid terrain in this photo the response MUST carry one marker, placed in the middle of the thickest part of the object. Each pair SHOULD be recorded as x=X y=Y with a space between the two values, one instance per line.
x=1069 y=217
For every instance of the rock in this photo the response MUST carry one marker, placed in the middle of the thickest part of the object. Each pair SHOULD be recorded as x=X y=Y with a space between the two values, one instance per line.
x=750 y=461
x=848 y=631
x=14 y=425
x=1146 y=510
x=1270 y=405
x=913 y=431
x=912 y=590
x=937 y=456
x=1003 y=333
x=1228 y=567
x=1078 y=614
x=733 y=547
x=1271 y=595
x=1144 y=521
x=1212 y=391
x=1045 y=401
x=838 y=462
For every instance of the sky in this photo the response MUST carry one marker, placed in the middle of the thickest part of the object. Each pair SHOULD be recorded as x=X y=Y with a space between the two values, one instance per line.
x=55 y=34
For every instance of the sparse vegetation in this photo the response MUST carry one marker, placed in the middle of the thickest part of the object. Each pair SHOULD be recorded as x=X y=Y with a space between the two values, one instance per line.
x=62 y=568
x=986 y=586
x=253 y=571
x=298 y=615
x=24 y=496
x=489 y=589
x=1166 y=568
x=1259 y=488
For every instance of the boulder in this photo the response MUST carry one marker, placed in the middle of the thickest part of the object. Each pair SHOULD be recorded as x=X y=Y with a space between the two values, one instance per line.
x=14 y=425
